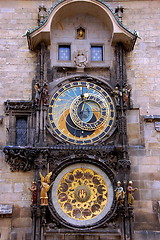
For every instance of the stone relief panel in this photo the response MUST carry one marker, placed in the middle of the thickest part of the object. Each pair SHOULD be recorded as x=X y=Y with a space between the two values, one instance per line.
x=81 y=58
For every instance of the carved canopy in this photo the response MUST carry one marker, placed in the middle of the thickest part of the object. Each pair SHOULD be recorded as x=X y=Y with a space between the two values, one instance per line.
x=72 y=7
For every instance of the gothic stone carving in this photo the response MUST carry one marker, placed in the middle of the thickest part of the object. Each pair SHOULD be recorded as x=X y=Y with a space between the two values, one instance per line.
x=27 y=158
x=19 y=158
x=81 y=58
x=18 y=105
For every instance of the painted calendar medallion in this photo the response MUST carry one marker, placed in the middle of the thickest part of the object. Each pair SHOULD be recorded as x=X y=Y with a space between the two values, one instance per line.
x=82 y=194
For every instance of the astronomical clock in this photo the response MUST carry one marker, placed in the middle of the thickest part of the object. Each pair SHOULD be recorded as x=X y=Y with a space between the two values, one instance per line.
x=81 y=112
x=81 y=115
x=73 y=134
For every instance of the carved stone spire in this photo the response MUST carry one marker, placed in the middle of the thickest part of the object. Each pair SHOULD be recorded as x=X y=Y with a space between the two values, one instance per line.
x=119 y=12
x=42 y=13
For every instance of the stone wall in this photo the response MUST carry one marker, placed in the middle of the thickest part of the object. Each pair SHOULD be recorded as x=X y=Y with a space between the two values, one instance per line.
x=143 y=67
x=17 y=70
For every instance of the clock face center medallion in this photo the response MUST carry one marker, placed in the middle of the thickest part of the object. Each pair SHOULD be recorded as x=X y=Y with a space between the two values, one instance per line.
x=82 y=193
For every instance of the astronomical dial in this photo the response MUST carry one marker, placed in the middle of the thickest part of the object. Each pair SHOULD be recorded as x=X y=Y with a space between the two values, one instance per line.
x=84 y=107
x=81 y=113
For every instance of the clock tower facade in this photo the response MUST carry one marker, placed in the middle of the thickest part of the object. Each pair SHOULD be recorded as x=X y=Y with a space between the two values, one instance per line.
x=80 y=109
x=77 y=132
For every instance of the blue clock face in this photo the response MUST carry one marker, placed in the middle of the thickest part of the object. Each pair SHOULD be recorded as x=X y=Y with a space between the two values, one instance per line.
x=81 y=113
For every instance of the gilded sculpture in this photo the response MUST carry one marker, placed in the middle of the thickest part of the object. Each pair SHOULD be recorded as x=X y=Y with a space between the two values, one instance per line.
x=120 y=194
x=45 y=186
x=130 y=192
x=80 y=33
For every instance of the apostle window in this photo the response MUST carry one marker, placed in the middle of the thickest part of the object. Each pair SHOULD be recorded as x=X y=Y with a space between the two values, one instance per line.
x=64 y=52
x=96 y=53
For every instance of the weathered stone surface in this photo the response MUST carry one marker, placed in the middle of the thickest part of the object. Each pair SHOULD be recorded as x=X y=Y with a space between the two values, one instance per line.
x=82 y=236
x=13 y=236
x=18 y=187
x=28 y=236
x=5 y=228
x=16 y=212
x=21 y=222
x=148 y=235
x=25 y=212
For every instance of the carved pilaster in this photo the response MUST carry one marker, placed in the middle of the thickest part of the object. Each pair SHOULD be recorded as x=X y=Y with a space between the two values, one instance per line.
x=120 y=65
x=121 y=86
x=124 y=164
x=41 y=96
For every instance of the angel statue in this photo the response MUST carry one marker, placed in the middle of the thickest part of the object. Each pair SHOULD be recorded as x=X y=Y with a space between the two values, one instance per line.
x=45 y=181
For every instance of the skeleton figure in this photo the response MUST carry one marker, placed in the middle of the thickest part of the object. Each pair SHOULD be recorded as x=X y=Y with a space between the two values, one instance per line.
x=126 y=95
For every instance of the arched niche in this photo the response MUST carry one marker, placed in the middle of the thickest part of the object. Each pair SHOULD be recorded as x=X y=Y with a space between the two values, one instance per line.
x=97 y=35
x=69 y=8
